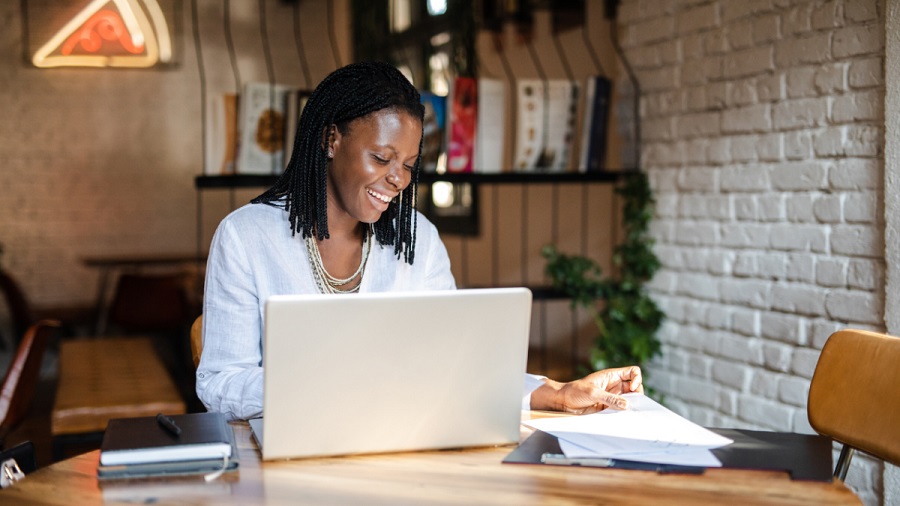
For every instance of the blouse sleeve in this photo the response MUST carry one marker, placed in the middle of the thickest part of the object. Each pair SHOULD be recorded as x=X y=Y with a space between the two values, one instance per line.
x=230 y=374
x=532 y=382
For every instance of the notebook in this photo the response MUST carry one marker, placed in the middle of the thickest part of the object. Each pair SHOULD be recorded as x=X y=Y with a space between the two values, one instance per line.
x=143 y=440
x=389 y=372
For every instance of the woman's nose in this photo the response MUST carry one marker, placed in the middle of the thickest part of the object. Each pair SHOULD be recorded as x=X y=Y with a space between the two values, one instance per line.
x=398 y=178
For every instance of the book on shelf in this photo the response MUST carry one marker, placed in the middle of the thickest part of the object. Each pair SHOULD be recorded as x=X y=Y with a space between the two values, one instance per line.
x=262 y=128
x=434 y=150
x=529 y=137
x=595 y=124
x=144 y=445
x=560 y=125
x=546 y=112
x=463 y=111
x=294 y=101
x=221 y=133
x=490 y=126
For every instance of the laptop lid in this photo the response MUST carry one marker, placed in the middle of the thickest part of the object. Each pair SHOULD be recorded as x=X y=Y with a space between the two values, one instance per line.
x=386 y=372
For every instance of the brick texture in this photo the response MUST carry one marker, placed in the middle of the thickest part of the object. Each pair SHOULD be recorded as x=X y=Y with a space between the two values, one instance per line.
x=775 y=208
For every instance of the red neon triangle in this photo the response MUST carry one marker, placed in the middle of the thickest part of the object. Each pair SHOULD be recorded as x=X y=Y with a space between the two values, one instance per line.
x=103 y=33
x=107 y=33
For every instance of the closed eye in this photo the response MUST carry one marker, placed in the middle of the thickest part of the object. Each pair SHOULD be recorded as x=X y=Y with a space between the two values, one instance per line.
x=380 y=160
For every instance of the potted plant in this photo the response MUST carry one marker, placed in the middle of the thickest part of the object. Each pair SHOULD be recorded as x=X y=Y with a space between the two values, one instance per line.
x=626 y=317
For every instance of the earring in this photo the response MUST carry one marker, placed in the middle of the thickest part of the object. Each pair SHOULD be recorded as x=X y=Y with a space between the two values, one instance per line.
x=330 y=153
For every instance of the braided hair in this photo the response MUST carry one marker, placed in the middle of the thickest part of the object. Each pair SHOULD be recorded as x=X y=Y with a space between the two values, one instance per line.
x=346 y=94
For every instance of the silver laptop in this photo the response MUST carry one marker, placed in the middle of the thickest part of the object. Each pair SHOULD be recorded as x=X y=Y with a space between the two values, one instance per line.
x=388 y=372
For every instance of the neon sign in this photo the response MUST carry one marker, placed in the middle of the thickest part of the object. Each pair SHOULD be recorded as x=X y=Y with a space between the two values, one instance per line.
x=109 y=33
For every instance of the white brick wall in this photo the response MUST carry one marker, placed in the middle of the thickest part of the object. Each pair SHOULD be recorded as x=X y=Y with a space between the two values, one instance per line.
x=768 y=179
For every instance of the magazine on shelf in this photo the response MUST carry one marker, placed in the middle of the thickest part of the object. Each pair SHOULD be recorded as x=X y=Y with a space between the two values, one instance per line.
x=434 y=150
x=561 y=116
x=546 y=114
x=221 y=133
x=262 y=128
x=490 y=126
x=595 y=124
x=529 y=140
x=463 y=112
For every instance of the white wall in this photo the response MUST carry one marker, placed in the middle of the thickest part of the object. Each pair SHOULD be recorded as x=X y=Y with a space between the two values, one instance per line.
x=763 y=136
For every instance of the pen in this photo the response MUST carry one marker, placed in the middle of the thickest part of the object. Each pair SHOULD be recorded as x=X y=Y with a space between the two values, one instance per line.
x=168 y=424
x=559 y=459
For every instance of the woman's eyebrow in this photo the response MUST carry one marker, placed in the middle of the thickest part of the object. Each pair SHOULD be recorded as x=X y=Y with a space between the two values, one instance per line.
x=387 y=146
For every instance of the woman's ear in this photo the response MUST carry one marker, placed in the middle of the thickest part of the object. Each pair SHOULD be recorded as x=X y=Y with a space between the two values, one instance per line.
x=329 y=136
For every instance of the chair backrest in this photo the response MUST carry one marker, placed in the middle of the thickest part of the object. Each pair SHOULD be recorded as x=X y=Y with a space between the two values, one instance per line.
x=22 y=375
x=19 y=309
x=853 y=396
x=145 y=302
x=197 y=340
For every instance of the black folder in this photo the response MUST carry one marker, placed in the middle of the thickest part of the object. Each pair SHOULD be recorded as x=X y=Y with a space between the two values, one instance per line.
x=805 y=457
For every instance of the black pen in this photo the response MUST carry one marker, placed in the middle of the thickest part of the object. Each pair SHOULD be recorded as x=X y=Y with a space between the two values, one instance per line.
x=168 y=424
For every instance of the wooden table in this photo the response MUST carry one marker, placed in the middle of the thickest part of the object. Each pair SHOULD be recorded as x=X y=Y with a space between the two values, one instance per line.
x=474 y=476
x=109 y=377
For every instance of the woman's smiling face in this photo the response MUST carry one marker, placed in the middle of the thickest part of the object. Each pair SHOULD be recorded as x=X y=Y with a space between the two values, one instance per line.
x=372 y=163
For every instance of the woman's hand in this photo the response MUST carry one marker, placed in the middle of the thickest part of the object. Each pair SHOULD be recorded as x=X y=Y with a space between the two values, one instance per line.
x=590 y=394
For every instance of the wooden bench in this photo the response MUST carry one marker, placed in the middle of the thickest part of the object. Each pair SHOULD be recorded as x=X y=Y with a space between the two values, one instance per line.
x=103 y=378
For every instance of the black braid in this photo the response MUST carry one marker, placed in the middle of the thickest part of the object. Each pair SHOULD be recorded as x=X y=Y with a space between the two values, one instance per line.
x=348 y=93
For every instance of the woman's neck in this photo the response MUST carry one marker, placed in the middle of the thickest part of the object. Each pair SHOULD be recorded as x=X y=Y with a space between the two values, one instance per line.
x=341 y=252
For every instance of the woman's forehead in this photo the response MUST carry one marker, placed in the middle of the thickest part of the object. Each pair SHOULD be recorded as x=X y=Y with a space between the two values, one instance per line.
x=384 y=119
x=380 y=114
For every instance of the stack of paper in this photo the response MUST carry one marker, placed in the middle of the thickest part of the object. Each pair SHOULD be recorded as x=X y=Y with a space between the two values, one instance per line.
x=645 y=432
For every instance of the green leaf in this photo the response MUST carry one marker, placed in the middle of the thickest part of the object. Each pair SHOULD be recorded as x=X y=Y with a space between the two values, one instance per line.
x=628 y=321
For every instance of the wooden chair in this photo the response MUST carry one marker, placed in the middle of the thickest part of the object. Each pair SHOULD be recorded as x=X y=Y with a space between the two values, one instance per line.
x=24 y=316
x=22 y=375
x=19 y=310
x=853 y=396
x=197 y=340
x=154 y=303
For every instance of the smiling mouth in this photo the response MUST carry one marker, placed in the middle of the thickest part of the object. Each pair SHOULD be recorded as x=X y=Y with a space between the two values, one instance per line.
x=380 y=196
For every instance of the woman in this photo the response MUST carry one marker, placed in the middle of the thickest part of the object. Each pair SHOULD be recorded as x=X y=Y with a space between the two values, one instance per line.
x=342 y=219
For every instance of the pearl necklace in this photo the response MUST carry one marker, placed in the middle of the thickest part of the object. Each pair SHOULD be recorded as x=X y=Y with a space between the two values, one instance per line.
x=325 y=281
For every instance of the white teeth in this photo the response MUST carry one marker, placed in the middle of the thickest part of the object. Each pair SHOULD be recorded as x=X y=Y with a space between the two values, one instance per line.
x=383 y=198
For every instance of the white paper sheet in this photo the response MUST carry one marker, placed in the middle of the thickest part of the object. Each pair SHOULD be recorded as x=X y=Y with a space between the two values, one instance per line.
x=646 y=432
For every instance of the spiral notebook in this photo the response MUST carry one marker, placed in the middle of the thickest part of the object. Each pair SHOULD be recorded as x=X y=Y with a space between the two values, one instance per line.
x=388 y=372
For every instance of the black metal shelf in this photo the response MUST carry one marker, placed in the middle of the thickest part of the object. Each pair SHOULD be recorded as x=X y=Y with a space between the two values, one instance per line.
x=522 y=177
x=254 y=180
